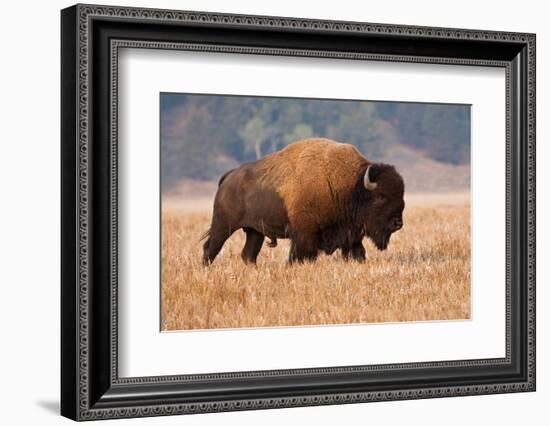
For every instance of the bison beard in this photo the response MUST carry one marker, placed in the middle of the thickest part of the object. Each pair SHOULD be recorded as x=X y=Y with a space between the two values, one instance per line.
x=321 y=194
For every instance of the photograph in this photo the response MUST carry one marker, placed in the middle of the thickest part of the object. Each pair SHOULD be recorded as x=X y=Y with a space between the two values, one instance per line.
x=280 y=212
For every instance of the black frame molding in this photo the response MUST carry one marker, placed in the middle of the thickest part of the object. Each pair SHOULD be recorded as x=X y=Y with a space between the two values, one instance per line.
x=91 y=36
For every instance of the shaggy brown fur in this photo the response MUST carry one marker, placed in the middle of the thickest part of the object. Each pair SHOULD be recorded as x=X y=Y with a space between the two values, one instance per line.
x=312 y=192
x=314 y=178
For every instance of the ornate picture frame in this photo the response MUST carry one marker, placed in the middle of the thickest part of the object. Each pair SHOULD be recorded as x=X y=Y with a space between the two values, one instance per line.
x=91 y=37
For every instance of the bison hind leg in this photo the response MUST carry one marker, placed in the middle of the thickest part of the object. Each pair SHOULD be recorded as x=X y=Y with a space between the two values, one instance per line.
x=252 y=246
x=214 y=243
x=210 y=250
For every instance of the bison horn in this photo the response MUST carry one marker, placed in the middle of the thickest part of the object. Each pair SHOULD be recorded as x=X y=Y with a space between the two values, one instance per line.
x=371 y=186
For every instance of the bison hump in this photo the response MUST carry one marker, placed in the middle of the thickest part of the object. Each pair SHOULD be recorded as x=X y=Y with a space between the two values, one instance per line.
x=315 y=177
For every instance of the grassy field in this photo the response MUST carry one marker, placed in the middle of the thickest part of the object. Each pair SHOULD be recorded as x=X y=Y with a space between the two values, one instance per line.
x=424 y=274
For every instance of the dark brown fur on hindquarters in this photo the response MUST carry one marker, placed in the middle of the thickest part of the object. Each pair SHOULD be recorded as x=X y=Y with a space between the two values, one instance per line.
x=321 y=194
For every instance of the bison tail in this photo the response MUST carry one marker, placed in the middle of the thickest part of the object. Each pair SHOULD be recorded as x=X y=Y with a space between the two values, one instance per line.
x=205 y=235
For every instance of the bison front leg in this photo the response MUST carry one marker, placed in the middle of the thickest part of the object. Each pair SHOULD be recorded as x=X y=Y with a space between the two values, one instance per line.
x=253 y=245
x=355 y=251
x=346 y=252
x=358 y=252
x=302 y=249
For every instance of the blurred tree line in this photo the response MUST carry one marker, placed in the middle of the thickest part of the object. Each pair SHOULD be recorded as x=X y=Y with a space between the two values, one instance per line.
x=202 y=136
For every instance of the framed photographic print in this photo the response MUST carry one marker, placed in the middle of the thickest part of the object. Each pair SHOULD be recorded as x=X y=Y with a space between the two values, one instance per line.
x=263 y=212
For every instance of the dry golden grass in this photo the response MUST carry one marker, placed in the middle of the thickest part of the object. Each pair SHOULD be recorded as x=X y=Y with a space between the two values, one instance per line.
x=424 y=275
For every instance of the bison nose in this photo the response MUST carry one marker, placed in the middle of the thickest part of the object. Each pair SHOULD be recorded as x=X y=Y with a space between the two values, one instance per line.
x=398 y=224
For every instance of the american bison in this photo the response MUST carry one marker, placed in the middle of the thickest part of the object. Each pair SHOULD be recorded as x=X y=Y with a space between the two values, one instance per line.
x=321 y=194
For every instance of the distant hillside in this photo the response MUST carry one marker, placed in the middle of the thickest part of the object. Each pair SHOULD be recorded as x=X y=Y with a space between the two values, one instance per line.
x=202 y=136
x=423 y=174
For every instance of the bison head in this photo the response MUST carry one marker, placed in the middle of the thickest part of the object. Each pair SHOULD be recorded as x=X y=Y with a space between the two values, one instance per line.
x=384 y=212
